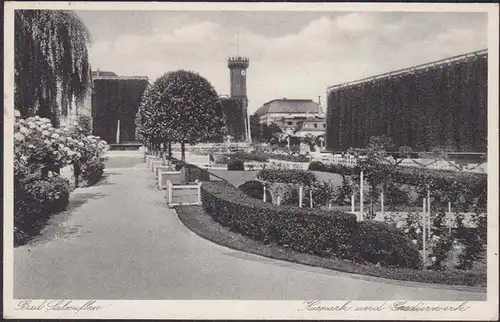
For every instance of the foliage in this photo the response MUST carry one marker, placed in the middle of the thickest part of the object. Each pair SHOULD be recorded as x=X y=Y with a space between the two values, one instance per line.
x=251 y=156
x=440 y=251
x=92 y=162
x=34 y=200
x=39 y=145
x=474 y=245
x=193 y=173
x=235 y=164
x=322 y=193
x=378 y=243
x=85 y=125
x=183 y=107
x=324 y=233
x=50 y=55
x=255 y=189
x=302 y=177
x=40 y=150
x=344 y=192
x=271 y=133
x=255 y=128
x=304 y=230
x=461 y=188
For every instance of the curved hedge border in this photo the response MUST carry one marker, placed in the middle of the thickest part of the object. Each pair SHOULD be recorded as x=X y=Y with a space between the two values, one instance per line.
x=313 y=231
x=203 y=224
x=335 y=235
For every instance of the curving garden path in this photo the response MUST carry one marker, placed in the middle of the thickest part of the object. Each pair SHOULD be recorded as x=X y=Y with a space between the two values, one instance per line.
x=118 y=240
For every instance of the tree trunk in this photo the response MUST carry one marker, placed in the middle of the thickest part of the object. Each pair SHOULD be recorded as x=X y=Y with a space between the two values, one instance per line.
x=170 y=150
x=183 y=152
x=76 y=173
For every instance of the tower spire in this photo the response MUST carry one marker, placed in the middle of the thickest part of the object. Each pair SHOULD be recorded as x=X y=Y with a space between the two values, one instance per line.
x=238 y=44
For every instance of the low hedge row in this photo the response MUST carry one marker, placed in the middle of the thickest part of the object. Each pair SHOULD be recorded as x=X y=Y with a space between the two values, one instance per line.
x=474 y=184
x=287 y=176
x=324 y=233
x=258 y=156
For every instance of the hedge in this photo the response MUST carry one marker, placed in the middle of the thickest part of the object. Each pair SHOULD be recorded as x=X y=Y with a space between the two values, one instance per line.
x=287 y=176
x=235 y=165
x=255 y=189
x=475 y=184
x=265 y=156
x=314 y=231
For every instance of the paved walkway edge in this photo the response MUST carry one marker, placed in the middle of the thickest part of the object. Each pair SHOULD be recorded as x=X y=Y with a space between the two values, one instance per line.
x=198 y=221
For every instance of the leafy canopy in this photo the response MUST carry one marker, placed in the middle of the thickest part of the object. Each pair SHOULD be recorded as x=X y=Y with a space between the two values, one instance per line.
x=181 y=106
x=51 y=58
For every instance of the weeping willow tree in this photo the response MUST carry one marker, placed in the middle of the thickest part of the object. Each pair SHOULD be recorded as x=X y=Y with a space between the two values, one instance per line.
x=51 y=62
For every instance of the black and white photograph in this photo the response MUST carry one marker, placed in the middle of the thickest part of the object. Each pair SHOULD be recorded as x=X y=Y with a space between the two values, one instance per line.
x=232 y=160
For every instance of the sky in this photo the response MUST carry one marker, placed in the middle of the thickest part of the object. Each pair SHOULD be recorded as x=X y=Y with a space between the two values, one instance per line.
x=292 y=54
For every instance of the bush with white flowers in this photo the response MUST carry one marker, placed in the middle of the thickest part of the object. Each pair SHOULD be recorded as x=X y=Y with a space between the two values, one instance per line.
x=40 y=151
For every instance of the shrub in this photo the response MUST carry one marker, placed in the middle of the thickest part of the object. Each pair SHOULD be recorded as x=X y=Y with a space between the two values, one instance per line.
x=314 y=231
x=344 y=192
x=287 y=157
x=322 y=193
x=459 y=187
x=252 y=156
x=219 y=158
x=193 y=173
x=440 y=251
x=235 y=165
x=35 y=199
x=474 y=245
x=317 y=166
x=89 y=167
x=302 y=177
x=378 y=243
x=84 y=125
x=304 y=230
x=255 y=189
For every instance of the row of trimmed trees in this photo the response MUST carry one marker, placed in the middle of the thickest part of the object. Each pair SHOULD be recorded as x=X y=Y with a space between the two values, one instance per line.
x=179 y=107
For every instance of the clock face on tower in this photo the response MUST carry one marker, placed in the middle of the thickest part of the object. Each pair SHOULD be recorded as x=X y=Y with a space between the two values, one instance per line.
x=243 y=73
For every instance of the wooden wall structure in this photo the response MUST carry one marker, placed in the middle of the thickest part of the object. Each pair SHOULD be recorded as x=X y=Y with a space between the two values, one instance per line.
x=442 y=104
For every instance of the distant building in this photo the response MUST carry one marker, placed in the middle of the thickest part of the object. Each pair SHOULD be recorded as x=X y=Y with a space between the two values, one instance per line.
x=115 y=101
x=297 y=117
x=235 y=107
x=441 y=104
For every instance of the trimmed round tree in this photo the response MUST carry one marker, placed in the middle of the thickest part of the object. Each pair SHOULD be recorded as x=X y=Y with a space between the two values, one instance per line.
x=185 y=108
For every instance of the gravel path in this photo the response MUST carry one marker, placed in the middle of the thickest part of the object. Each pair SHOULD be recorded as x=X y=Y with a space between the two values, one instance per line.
x=118 y=240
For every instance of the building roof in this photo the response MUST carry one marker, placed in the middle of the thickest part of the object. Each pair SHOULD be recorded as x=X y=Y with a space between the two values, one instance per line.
x=102 y=73
x=483 y=53
x=285 y=105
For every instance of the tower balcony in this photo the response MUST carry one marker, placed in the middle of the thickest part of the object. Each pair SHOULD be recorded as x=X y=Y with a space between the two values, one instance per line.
x=238 y=62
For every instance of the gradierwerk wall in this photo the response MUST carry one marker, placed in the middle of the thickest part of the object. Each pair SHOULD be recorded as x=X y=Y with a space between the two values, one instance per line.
x=437 y=105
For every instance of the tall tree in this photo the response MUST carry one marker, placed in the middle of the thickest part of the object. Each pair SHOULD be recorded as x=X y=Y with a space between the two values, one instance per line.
x=51 y=62
x=255 y=128
x=187 y=109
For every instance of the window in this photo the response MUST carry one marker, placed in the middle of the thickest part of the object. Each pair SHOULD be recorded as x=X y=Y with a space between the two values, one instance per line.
x=324 y=125
x=315 y=126
x=289 y=123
